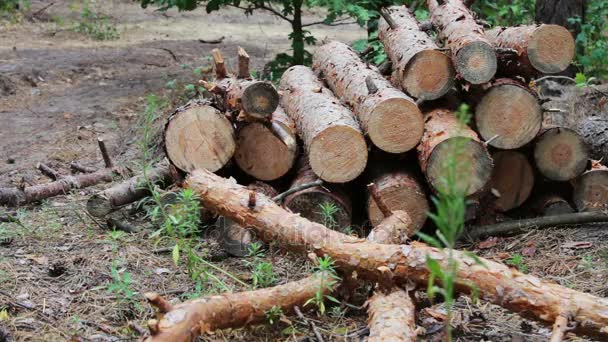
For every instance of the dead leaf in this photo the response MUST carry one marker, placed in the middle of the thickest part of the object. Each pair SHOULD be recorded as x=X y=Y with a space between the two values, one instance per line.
x=578 y=245
x=528 y=251
x=489 y=243
x=436 y=314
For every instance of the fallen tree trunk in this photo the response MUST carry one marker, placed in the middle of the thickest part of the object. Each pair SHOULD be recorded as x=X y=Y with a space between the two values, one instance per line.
x=335 y=146
x=266 y=151
x=443 y=136
x=508 y=115
x=591 y=189
x=390 y=118
x=473 y=55
x=391 y=317
x=198 y=135
x=539 y=49
x=512 y=180
x=493 y=281
x=561 y=154
x=129 y=191
x=420 y=69
x=23 y=195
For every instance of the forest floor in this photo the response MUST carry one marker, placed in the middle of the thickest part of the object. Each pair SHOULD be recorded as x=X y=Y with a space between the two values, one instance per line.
x=65 y=276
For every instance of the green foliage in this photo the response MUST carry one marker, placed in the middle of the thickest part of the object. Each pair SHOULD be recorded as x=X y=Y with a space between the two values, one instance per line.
x=121 y=283
x=325 y=267
x=505 y=12
x=519 y=262
x=328 y=210
x=95 y=25
x=274 y=314
x=592 y=41
x=263 y=275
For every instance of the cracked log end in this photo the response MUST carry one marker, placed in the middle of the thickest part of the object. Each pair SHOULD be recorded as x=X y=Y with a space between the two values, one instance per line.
x=476 y=62
x=260 y=99
x=513 y=178
x=591 y=191
x=429 y=75
x=551 y=49
x=199 y=137
x=510 y=112
x=561 y=154
x=386 y=122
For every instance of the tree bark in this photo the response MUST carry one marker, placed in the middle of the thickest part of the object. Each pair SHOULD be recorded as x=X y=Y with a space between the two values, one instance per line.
x=559 y=11
x=390 y=118
x=391 y=317
x=547 y=49
x=420 y=69
x=473 y=55
x=561 y=154
x=510 y=113
x=335 y=146
x=493 y=281
x=197 y=136
x=129 y=191
x=444 y=136
x=591 y=189
x=266 y=151
x=512 y=180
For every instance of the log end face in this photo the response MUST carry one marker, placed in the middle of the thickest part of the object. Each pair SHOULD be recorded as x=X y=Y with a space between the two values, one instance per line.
x=98 y=206
x=551 y=49
x=338 y=154
x=429 y=75
x=591 y=191
x=476 y=62
x=510 y=114
x=395 y=125
x=260 y=99
x=474 y=167
x=560 y=154
x=410 y=199
x=512 y=178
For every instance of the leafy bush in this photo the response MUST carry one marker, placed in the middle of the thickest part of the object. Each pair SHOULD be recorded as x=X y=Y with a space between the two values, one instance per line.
x=505 y=12
x=592 y=41
x=95 y=25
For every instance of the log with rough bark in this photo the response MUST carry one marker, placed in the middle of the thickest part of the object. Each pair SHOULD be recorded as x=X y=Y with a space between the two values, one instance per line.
x=551 y=204
x=188 y=320
x=391 y=317
x=472 y=54
x=492 y=281
x=591 y=189
x=198 y=135
x=512 y=179
x=398 y=190
x=334 y=143
x=508 y=113
x=420 y=69
x=266 y=151
x=539 y=49
x=390 y=118
x=445 y=138
x=23 y=195
x=129 y=191
x=308 y=202
x=561 y=154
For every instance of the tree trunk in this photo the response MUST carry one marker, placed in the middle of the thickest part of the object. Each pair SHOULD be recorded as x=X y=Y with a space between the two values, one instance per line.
x=560 y=154
x=129 y=191
x=24 y=195
x=493 y=281
x=390 y=118
x=473 y=55
x=445 y=137
x=198 y=136
x=297 y=40
x=559 y=11
x=512 y=180
x=420 y=69
x=266 y=151
x=551 y=204
x=591 y=189
x=308 y=202
x=391 y=317
x=547 y=49
x=335 y=146
x=510 y=113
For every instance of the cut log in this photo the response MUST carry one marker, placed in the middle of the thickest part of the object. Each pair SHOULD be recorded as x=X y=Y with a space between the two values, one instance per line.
x=420 y=69
x=235 y=239
x=561 y=154
x=444 y=136
x=198 y=136
x=399 y=190
x=544 y=49
x=390 y=118
x=188 y=320
x=551 y=204
x=494 y=282
x=23 y=195
x=510 y=113
x=266 y=151
x=243 y=63
x=591 y=189
x=335 y=146
x=512 y=179
x=129 y=191
x=391 y=317
x=308 y=202
x=472 y=54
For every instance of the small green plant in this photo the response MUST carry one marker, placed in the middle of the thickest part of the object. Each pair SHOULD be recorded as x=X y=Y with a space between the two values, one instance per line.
x=588 y=263
x=95 y=25
x=582 y=81
x=255 y=250
x=274 y=314
x=325 y=268
x=121 y=283
x=518 y=261
x=328 y=210
x=263 y=275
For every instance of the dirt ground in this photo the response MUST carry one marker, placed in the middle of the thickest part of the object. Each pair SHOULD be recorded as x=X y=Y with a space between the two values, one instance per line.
x=60 y=90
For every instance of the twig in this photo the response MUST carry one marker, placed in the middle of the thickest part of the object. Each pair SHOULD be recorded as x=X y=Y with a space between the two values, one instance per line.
x=387 y=17
x=487 y=142
x=42 y=9
x=171 y=53
x=76 y=167
x=312 y=325
x=373 y=191
x=281 y=196
x=366 y=51
x=104 y=153
x=48 y=171
x=558 y=77
x=138 y=328
x=212 y=41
